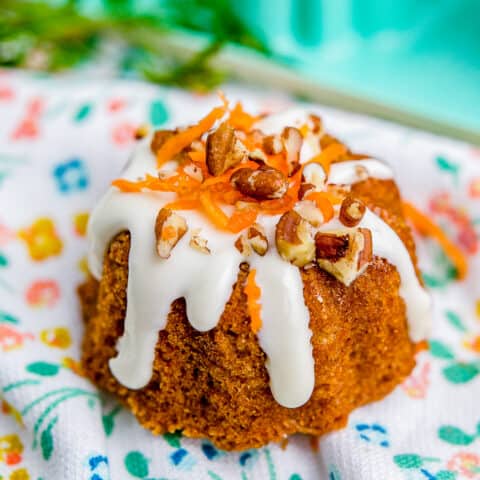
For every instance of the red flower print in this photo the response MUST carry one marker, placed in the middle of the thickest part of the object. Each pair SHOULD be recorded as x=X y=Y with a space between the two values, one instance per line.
x=466 y=464
x=43 y=293
x=123 y=134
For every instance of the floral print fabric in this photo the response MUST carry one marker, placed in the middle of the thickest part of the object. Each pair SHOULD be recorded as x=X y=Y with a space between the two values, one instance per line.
x=61 y=142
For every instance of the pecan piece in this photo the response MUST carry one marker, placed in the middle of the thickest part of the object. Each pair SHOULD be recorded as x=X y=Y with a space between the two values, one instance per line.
x=292 y=142
x=314 y=174
x=310 y=212
x=273 y=145
x=223 y=150
x=351 y=211
x=199 y=243
x=255 y=239
x=169 y=229
x=349 y=257
x=331 y=246
x=294 y=239
x=265 y=183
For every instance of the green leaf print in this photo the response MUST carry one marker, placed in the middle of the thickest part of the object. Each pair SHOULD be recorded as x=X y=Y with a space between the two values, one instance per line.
x=7 y=318
x=108 y=420
x=43 y=368
x=408 y=460
x=3 y=260
x=83 y=112
x=445 y=475
x=455 y=436
x=46 y=440
x=447 y=165
x=455 y=320
x=460 y=372
x=440 y=350
x=173 y=439
x=136 y=464
x=158 y=113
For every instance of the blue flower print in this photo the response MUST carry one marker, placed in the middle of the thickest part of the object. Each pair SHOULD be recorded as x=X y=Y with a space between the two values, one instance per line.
x=373 y=433
x=71 y=176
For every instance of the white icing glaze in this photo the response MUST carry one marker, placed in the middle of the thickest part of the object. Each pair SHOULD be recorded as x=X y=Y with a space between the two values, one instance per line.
x=346 y=173
x=205 y=281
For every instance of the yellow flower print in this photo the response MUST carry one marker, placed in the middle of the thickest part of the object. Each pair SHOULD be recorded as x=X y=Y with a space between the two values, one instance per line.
x=80 y=221
x=7 y=409
x=83 y=265
x=20 y=474
x=477 y=308
x=11 y=449
x=73 y=365
x=56 y=337
x=41 y=239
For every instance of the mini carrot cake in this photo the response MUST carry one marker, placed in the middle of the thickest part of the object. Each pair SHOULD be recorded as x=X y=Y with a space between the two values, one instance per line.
x=251 y=278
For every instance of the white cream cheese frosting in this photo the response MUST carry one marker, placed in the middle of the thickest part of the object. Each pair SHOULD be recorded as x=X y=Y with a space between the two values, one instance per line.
x=205 y=281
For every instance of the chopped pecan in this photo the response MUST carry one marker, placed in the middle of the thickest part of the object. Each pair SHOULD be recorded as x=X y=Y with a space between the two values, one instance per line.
x=354 y=254
x=272 y=144
x=292 y=142
x=294 y=239
x=223 y=150
x=310 y=212
x=199 y=243
x=314 y=174
x=331 y=246
x=263 y=184
x=254 y=239
x=169 y=229
x=351 y=211
x=258 y=239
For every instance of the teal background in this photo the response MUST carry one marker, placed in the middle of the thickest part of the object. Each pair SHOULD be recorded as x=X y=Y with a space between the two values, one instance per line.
x=420 y=55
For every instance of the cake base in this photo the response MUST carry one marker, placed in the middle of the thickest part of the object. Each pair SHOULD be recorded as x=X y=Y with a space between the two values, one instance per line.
x=215 y=385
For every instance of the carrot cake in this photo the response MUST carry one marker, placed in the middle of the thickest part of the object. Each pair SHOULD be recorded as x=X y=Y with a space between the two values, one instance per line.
x=251 y=278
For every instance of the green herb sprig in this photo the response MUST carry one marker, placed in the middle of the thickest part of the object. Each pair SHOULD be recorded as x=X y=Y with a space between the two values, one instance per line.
x=53 y=37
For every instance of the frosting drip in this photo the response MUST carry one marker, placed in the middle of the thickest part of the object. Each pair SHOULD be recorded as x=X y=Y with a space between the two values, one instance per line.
x=206 y=280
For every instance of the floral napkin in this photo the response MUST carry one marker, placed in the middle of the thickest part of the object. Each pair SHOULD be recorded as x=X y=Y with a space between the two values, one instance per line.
x=62 y=140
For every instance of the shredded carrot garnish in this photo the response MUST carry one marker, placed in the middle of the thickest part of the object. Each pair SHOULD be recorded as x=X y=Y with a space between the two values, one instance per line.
x=426 y=227
x=184 y=204
x=329 y=155
x=197 y=156
x=253 y=293
x=181 y=140
x=240 y=119
x=279 y=162
x=212 y=210
x=242 y=219
x=323 y=204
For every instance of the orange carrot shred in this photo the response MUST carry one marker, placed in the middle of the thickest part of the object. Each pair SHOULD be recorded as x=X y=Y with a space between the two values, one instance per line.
x=197 y=156
x=212 y=210
x=327 y=156
x=242 y=219
x=184 y=204
x=253 y=293
x=426 y=227
x=323 y=204
x=240 y=119
x=181 y=140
